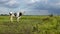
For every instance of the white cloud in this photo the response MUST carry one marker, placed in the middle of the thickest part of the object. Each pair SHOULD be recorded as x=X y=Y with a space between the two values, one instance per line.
x=31 y=1
x=11 y=3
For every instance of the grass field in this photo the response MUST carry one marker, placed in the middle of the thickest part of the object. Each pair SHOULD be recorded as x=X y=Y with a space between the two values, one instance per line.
x=30 y=25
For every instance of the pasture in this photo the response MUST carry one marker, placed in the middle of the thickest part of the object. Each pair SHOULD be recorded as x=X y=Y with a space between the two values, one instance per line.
x=30 y=25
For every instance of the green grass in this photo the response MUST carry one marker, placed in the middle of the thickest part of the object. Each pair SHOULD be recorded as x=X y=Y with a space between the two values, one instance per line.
x=30 y=25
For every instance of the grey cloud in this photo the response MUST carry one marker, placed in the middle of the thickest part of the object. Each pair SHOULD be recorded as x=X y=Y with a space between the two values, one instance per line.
x=3 y=1
x=9 y=3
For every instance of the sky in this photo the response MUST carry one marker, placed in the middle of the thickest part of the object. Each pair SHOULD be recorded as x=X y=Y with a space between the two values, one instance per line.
x=31 y=7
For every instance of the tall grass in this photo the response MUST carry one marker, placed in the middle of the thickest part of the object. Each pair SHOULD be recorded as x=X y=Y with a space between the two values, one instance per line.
x=30 y=25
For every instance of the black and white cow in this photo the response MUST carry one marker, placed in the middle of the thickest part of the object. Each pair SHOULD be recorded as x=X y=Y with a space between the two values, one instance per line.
x=17 y=15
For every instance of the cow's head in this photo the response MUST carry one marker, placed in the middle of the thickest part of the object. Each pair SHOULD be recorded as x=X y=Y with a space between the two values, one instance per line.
x=10 y=13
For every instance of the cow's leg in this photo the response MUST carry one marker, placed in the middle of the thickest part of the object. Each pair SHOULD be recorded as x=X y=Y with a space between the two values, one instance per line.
x=11 y=18
x=18 y=18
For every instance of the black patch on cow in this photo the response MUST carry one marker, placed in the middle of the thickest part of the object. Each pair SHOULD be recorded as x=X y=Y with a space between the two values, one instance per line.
x=20 y=14
x=15 y=14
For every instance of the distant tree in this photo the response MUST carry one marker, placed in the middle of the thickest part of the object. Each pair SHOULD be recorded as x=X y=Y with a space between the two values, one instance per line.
x=4 y=14
x=51 y=15
x=1 y=14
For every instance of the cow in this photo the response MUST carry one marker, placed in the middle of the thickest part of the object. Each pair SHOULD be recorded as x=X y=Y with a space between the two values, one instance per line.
x=16 y=15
